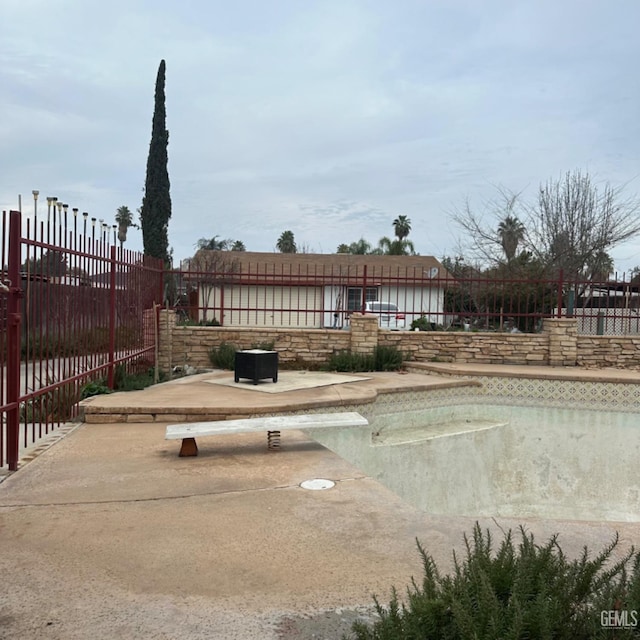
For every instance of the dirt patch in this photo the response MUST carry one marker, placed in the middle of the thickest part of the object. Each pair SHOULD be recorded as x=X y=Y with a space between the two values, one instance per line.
x=326 y=625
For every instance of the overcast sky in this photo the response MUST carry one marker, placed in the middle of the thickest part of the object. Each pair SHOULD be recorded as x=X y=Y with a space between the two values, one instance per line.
x=328 y=118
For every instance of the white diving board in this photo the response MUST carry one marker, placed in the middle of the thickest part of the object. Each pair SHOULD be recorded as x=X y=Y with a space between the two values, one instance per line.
x=273 y=425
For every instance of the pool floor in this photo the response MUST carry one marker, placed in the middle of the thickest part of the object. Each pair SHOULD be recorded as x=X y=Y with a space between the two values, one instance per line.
x=503 y=460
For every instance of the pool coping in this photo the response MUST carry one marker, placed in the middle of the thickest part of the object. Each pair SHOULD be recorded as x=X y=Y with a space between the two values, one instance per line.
x=576 y=374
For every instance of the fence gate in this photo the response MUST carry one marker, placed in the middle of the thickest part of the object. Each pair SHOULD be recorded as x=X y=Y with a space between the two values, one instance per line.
x=74 y=308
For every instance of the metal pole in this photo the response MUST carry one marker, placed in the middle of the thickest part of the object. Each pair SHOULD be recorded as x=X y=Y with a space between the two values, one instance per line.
x=35 y=193
x=13 y=339
x=364 y=290
x=560 y=285
x=221 y=306
x=112 y=318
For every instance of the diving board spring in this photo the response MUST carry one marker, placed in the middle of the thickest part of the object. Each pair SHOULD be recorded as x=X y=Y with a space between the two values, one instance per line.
x=273 y=440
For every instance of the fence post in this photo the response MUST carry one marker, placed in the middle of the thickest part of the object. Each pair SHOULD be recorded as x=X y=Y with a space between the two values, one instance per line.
x=600 y=324
x=364 y=290
x=112 y=318
x=221 y=318
x=571 y=302
x=560 y=291
x=13 y=339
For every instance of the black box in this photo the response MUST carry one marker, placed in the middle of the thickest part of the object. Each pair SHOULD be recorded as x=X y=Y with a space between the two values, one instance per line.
x=256 y=364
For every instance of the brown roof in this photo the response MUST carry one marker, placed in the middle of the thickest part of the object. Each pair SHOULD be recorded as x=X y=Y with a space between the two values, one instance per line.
x=319 y=265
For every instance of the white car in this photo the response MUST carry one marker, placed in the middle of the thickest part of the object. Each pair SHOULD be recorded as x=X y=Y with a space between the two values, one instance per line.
x=389 y=316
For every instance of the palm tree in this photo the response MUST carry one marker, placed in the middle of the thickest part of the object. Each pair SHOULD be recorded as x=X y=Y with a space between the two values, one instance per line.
x=510 y=232
x=401 y=227
x=286 y=243
x=359 y=248
x=213 y=244
x=124 y=220
x=398 y=247
x=238 y=245
x=600 y=266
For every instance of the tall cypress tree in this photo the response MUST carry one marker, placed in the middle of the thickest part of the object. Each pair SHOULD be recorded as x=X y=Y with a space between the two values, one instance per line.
x=156 y=203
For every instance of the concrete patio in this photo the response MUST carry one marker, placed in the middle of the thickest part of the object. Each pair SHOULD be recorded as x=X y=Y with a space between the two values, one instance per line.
x=108 y=534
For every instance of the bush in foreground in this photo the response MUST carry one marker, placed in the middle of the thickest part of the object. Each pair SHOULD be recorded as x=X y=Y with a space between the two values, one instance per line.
x=520 y=591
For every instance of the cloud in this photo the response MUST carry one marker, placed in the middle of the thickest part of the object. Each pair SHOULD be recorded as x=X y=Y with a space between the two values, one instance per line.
x=327 y=118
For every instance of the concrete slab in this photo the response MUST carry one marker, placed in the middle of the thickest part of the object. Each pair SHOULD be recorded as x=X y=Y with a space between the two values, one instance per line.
x=109 y=534
x=195 y=399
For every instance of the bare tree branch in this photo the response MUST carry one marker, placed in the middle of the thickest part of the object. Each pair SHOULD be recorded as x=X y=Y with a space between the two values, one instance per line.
x=572 y=226
x=574 y=221
x=482 y=241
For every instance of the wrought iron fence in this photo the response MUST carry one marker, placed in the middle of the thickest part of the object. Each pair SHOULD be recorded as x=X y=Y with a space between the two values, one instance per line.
x=72 y=310
x=323 y=294
x=74 y=307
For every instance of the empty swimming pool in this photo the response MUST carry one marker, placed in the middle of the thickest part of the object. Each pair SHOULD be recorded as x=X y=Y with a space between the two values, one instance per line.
x=503 y=460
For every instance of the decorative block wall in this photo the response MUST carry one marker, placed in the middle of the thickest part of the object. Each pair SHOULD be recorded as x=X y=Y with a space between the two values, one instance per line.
x=558 y=345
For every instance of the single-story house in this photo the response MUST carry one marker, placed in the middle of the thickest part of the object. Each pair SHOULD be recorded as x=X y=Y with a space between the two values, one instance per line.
x=311 y=290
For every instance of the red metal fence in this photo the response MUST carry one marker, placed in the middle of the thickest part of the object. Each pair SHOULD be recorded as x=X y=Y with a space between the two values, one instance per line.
x=72 y=311
x=325 y=294
x=73 y=305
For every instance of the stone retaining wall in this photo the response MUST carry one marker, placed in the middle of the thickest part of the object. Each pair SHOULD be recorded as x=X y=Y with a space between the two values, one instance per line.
x=557 y=345
x=608 y=351
x=189 y=345
x=485 y=348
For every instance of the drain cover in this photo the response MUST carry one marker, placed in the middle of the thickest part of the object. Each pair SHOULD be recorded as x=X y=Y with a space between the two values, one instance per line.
x=317 y=484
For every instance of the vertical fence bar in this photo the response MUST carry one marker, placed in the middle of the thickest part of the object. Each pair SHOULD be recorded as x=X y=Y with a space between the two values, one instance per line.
x=560 y=286
x=364 y=290
x=13 y=340
x=221 y=304
x=3 y=336
x=112 y=316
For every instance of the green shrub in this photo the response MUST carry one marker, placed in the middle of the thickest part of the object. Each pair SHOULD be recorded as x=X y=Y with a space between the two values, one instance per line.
x=387 y=358
x=223 y=356
x=422 y=324
x=135 y=380
x=131 y=377
x=55 y=405
x=94 y=388
x=352 y=362
x=383 y=358
x=94 y=340
x=520 y=591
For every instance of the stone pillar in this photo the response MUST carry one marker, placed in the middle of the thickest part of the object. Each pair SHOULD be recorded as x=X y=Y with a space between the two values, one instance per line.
x=563 y=341
x=364 y=333
x=166 y=324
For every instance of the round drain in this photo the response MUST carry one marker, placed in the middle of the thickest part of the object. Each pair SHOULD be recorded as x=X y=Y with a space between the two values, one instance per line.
x=317 y=484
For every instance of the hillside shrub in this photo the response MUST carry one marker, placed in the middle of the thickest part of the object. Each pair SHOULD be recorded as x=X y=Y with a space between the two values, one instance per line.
x=518 y=591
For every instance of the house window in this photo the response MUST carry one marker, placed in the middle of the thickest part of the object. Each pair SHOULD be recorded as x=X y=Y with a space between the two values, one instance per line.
x=354 y=297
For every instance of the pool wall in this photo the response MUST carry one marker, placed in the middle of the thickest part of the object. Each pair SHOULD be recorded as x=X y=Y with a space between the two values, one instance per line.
x=513 y=447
